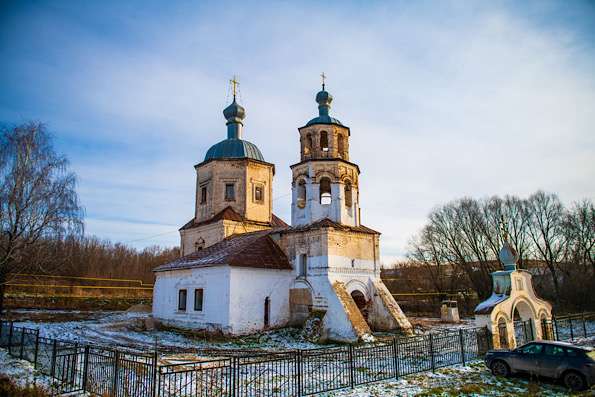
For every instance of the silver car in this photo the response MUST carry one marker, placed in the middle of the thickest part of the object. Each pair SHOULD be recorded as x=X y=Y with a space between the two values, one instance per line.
x=574 y=365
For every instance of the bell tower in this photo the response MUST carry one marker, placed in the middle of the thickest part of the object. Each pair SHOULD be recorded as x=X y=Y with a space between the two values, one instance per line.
x=325 y=183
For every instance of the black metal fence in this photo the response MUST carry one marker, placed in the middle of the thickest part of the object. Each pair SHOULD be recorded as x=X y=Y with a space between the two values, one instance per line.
x=118 y=373
x=570 y=327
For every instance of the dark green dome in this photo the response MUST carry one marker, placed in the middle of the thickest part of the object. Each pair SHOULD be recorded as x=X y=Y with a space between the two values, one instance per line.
x=324 y=100
x=234 y=149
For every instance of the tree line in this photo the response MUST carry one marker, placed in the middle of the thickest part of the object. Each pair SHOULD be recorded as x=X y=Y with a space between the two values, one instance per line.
x=41 y=218
x=464 y=237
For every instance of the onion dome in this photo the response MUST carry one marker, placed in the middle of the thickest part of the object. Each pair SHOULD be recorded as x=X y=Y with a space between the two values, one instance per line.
x=234 y=147
x=324 y=100
x=508 y=256
x=234 y=113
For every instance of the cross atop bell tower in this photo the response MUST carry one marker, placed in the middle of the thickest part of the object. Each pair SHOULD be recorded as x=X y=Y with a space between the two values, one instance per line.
x=234 y=85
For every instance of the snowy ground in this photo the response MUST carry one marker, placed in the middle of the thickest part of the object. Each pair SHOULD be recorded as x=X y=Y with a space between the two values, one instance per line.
x=22 y=372
x=128 y=329
x=471 y=380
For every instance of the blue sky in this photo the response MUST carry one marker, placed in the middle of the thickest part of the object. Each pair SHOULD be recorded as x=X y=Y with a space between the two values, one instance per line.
x=444 y=99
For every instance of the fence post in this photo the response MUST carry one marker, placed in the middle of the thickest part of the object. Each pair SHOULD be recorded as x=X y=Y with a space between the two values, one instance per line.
x=85 y=367
x=54 y=352
x=571 y=331
x=234 y=382
x=350 y=351
x=555 y=332
x=36 y=349
x=396 y=358
x=584 y=325
x=116 y=370
x=432 y=353
x=22 y=343
x=10 y=331
x=462 y=346
x=155 y=368
x=298 y=362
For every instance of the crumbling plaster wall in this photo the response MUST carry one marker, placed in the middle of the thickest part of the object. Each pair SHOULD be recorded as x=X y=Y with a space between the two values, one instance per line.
x=244 y=174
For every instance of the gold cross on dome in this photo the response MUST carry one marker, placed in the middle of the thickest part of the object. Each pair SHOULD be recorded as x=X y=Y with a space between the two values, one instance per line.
x=234 y=84
x=323 y=79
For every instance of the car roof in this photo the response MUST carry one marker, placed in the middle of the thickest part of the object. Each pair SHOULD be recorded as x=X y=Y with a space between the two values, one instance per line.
x=563 y=344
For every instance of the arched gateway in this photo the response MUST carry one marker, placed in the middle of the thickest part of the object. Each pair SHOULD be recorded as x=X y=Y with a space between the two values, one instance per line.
x=513 y=313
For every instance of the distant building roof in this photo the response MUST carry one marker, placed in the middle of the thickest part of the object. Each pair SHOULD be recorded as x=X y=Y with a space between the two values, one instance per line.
x=228 y=213
x=255 y=250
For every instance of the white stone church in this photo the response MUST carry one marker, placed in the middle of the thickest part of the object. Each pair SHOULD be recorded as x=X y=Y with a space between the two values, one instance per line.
x=243 y=269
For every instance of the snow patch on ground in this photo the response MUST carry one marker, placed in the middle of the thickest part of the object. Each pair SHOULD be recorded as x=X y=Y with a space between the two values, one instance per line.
x=471 y=380
x=23 y=373
x=127 y=329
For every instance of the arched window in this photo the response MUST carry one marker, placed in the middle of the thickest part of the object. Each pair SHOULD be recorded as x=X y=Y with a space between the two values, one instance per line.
x=348 y=195
x=325 y=191
x=308 y=144
x=301 y=193
x=324 y=141
x=341 y=146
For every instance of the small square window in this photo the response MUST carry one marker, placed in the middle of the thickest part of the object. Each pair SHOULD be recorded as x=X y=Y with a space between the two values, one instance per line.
x=182 y=300
x=198 y=297
x=258 y=194
x=230 y=192
x=203 y=195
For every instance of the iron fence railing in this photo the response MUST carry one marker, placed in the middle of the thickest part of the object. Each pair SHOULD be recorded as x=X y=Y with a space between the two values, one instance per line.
x=569 y=327
x=116 y=372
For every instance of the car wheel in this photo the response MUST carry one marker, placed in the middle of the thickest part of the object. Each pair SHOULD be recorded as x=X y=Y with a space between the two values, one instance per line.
x=500 y=368
x=574 y=381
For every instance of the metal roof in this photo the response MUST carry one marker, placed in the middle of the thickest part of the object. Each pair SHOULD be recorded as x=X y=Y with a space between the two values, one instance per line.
x=234 y=149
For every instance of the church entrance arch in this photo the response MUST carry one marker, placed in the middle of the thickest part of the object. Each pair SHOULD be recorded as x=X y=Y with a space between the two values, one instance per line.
x=362 y=304
x=301 y=302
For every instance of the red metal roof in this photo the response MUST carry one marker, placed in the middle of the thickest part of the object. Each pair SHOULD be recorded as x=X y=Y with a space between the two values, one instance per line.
x=228 y=213
x=256 y=250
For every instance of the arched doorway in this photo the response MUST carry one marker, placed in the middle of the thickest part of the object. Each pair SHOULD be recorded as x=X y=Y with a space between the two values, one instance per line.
x=503 y=333
x=360 y=300
x=523 y=318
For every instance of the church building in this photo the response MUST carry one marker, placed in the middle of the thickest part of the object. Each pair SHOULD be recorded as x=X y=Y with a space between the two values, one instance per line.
x=244 y=270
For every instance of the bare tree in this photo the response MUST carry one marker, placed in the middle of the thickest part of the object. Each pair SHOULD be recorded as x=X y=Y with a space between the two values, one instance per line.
x=546 y=229
x=38 y=201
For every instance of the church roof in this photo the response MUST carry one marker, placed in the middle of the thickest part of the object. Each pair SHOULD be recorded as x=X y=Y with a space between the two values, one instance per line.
x=228 y=213
x=324 y=100
x=324 y=120
x=234 y=148
x=256 y=250
x=327 y=223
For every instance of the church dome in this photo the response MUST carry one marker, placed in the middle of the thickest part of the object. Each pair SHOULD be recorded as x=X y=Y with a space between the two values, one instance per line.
x=234 y=149
x=234 y=113
x=324 y=100
x=508 y=256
